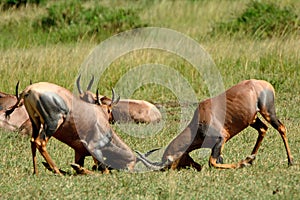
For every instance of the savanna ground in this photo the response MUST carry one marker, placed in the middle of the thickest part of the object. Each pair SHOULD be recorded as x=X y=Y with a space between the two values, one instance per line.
x=39 y=46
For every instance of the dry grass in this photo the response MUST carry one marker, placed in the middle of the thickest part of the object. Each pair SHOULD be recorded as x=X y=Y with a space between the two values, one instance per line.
x=275 y=60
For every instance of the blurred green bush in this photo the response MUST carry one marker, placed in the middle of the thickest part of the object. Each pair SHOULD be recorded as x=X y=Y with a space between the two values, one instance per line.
x=71 y=20
x=261 y=20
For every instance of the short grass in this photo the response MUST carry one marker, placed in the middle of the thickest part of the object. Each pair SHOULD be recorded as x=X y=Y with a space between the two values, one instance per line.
x=275 y=60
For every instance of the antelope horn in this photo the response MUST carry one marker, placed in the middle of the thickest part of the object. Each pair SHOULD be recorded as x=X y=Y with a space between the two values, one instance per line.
x=156 y=166
x=150 y=152
x=97 y=97
x=17 y=90
x=113 y=100
x=90 y=84
x=78 y=84
x=11 y=110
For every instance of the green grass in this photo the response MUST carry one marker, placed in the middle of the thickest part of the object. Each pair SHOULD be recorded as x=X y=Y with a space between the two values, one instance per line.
x=27 y=55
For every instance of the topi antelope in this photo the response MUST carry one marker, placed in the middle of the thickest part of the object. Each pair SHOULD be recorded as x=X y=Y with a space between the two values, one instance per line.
x=6 y=100
x=55 y=111
x=218 y=119
x=19 y=120
x=127 y=110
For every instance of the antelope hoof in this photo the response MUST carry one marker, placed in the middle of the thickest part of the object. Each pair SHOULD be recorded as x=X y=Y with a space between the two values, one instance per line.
x=291 y=162
x=220 y=160
x=47 y=166
x=103 y=170
x=250 y=158
x=248 y=161
x=80 y=170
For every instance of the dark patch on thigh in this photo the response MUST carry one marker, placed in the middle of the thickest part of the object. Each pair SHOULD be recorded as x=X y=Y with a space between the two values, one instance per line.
x=266 y=100
x=51 y=106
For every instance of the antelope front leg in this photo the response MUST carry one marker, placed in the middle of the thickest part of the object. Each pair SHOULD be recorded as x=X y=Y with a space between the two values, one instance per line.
x=78 y=165
x=98 y=166
x=216 y=156
x=185 y=161
x=80 y=170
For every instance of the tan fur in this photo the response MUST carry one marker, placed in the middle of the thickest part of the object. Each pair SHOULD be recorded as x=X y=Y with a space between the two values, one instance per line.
x=19 y=120
x=87 y=119
x=126 y=110
x=218 y=119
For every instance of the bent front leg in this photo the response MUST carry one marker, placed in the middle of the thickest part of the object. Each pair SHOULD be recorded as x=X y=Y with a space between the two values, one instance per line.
x=185 y=161
x=214 y=160
x=79 y=163
x=80 y=170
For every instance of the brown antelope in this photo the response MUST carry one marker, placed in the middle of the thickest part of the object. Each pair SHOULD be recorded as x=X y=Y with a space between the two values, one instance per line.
x=55 y=111
x=19 y=120
x=218 y=119
x=6 y=100
x=127 y=110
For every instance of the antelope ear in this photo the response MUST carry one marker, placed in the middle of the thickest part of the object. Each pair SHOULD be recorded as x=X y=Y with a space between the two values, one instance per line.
x=105 y=100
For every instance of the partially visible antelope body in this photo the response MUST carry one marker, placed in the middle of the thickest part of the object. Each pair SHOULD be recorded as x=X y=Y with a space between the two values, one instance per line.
x=127 y=110
x=19 y=120
x=6 y=100
x=218 y=119
x=55 y=111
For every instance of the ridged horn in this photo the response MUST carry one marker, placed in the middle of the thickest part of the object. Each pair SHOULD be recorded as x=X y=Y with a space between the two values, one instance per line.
x=155 y=166
x=97 y=97
x=78 y=84
x=17 y=90
x=113 y=100
x=90 y=84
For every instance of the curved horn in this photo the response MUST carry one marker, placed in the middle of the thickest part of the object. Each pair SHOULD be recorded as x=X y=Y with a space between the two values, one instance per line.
x=151 y=151
x=11 y=110
x=78 y=84
x=17 y=90
x=90 y=84
x=97 y=97
x=113 y=100
x=150 y=165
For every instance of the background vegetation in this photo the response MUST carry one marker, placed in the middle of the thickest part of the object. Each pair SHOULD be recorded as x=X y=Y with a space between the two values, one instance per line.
x=48 y=41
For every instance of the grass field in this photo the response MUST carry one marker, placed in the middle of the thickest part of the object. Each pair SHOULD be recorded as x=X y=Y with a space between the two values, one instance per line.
x=28 y=54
